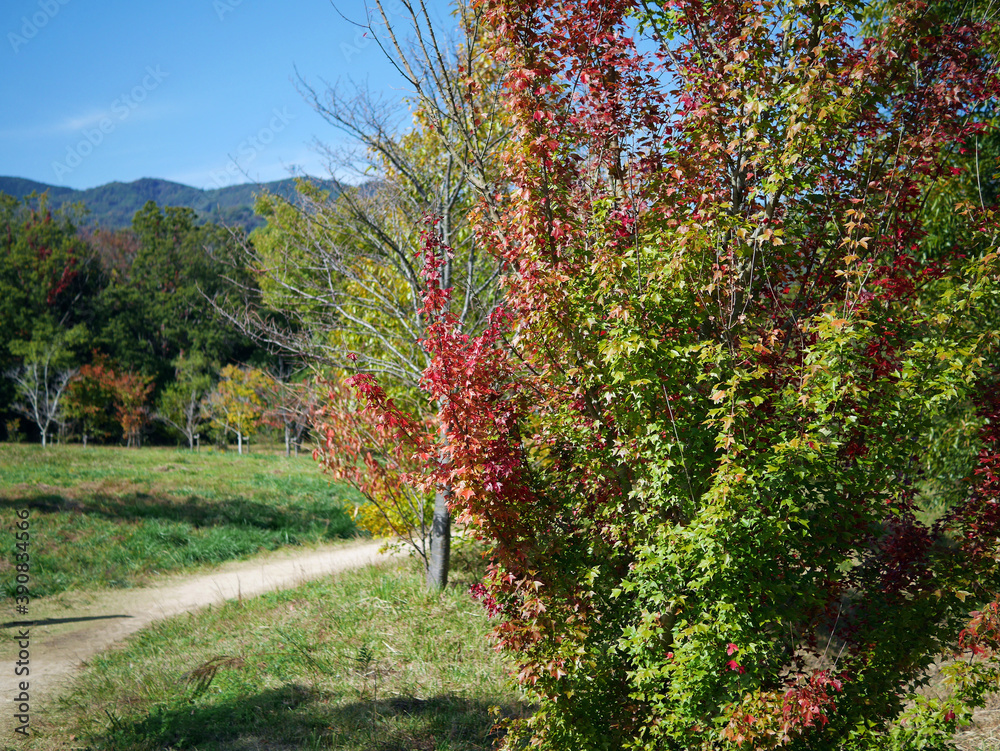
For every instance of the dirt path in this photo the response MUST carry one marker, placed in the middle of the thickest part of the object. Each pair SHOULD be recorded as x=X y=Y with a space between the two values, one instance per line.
x=70 y=628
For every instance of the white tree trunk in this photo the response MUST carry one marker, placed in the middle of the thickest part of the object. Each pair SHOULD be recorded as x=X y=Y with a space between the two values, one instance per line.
x=440 y=557
x=437 y=566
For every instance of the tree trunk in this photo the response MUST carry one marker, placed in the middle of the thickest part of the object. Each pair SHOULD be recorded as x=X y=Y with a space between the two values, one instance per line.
x=439 y=559
x=239 y=443
x=437 y=566
x=288 y=441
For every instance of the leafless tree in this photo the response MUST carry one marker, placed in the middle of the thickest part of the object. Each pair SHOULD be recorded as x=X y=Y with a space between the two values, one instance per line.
x=40 y=386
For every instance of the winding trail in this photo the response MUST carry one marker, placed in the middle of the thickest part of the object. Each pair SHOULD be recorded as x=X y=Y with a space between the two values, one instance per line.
x=68 y=629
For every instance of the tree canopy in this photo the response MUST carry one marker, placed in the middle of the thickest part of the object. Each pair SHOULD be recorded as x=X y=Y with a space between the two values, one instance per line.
x=125 y=304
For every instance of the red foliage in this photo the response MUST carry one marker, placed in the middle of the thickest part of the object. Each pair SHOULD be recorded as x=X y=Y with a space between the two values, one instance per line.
x=99 y=389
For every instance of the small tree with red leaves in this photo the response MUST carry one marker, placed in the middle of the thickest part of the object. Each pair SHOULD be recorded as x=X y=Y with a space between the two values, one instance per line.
x=90 y=399
x=99 y=393
x=132 y=391
x=366 y=441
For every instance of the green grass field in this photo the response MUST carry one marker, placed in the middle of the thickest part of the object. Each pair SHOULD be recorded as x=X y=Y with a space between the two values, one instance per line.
x=364 y=660
x=112 y=517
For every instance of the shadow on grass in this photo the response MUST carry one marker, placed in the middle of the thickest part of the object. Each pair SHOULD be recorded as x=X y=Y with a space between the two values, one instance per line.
x=327 y=520
x=294 y=716
x=57 y=621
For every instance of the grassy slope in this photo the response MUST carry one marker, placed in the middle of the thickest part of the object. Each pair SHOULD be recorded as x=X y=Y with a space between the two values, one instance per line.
x=106 y=517
x=366 y=660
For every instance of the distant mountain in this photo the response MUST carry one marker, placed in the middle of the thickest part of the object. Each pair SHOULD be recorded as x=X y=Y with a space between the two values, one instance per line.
x=113 y=205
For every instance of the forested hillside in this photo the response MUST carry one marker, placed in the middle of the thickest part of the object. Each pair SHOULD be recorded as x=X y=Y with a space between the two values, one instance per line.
x=112 y=333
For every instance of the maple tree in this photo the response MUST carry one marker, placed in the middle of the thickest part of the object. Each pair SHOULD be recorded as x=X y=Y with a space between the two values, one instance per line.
x=359 y=445
x=132 y=391
x=101 y=393
x=700 y=433
x=90 y=399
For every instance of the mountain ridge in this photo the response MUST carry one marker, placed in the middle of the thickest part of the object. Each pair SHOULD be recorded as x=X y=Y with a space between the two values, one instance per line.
x=113 y=204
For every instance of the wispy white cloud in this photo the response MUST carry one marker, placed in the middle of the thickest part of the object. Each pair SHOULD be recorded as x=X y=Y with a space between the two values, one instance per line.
x=119 y=111
x=133 y=104
x=77 y=122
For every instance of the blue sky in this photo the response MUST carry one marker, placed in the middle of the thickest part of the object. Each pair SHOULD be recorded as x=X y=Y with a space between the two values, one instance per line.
x=195 y=91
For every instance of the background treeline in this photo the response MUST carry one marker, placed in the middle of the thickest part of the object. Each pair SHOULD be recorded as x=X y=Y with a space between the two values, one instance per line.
x=111 y=335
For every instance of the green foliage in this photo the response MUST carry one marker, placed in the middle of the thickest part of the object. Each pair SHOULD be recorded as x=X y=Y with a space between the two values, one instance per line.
x=45 y=270
x=40 y=382
x=142 y=298
x=47 y=280
x=180 y=404
x=160 y=308
x=13 y=428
